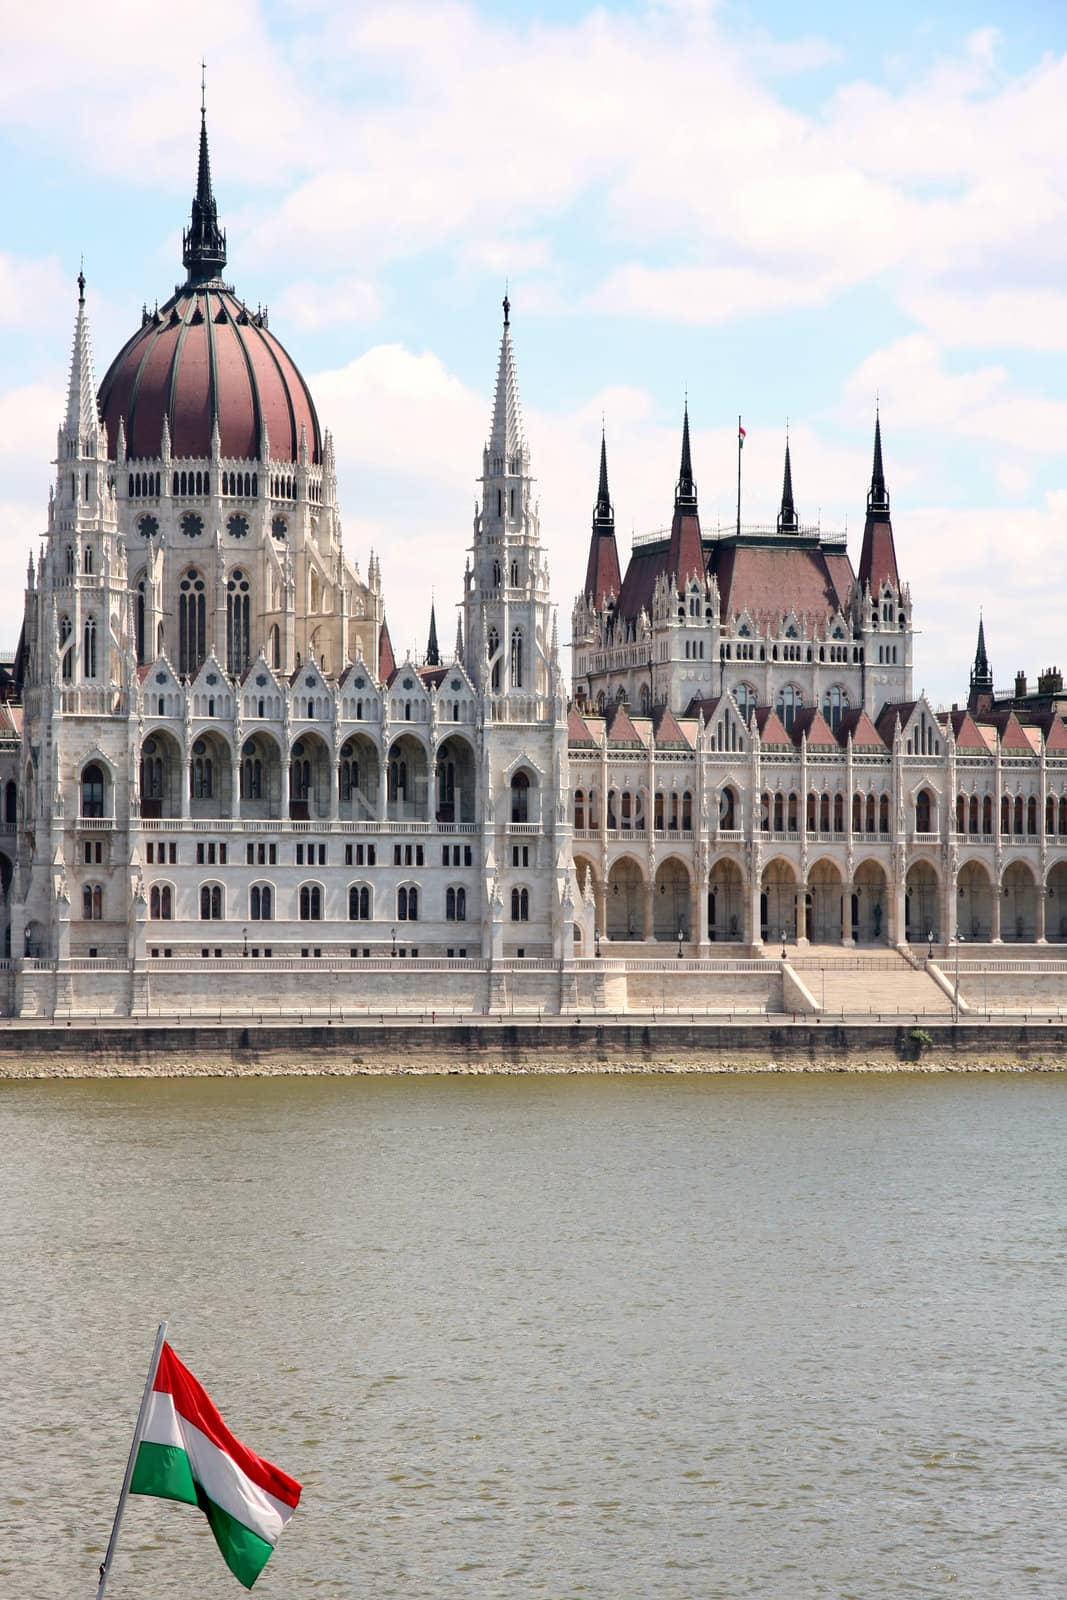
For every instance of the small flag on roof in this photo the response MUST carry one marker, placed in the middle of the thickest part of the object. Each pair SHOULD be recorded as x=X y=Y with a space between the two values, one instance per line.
x=740 y=437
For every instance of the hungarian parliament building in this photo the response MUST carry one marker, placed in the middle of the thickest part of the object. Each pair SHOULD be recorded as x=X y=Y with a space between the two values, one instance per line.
x=221 y=788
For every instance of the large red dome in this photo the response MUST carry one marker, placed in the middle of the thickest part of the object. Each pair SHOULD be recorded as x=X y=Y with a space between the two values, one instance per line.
x=205 y=357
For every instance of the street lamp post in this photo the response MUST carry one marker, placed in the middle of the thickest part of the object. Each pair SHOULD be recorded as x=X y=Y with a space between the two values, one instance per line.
x=393 y=931
x=596 y=941
x=245 y=932
x=681 y=937
x=782 y=935
x=929 y=944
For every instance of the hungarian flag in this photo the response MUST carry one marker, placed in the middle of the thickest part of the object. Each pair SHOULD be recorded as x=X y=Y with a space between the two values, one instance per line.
x=740 y=437
x=187 y=1453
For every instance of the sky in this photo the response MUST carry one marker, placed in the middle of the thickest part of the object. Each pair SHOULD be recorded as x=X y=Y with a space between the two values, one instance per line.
x=786 y=213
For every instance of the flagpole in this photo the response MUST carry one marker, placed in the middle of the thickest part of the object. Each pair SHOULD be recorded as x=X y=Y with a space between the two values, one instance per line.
x=105 y=1565
x=739 y=477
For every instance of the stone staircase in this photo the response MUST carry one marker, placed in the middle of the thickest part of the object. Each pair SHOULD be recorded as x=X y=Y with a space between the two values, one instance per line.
x=877 y=983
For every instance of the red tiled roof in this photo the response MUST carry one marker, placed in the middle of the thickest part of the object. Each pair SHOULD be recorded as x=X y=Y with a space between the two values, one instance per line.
x=1011 y=732
x=809 y=722
x=703 y=706
x=621 y=729
x=602 y=572
x=685 y=553
x=772 y=730
x=203 y=358
x=386 y=659
x=865 y=735
x=967 y=733
x=646 y=564
x=1054 y=730
x=878 y=556
x=768 y=581
x=666 y=729
x=432 y=676
x=578 y=731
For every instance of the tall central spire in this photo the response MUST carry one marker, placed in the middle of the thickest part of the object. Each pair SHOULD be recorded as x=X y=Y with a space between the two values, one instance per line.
x=787 y=516
x=506 y=440
x=203 y=242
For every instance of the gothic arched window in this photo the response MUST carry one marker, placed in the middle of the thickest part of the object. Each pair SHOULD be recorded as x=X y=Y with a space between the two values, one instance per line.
x=66 y=627
x=516 y=672
x=492 y=646
x=89 y=651
x=138 y=620
x=237 y=623
x=191 y=622
x=520 y=797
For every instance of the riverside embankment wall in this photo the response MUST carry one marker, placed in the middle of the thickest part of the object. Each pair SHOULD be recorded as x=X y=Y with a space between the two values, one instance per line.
x=80 y=1050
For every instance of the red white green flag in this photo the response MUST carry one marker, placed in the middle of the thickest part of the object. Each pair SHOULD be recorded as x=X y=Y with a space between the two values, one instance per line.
x=740 y=437
x=187 y=1453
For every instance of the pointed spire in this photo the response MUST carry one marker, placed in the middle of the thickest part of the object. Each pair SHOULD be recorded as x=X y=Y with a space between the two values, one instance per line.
x=686 y=492
x=433 y=653
x=602 y=575
x=604 y=512
x=787 y=516
x=459 y=638
x=82 y=419
x=878 y=558
x=203 y=242
x=878 y=497
x=506 y=440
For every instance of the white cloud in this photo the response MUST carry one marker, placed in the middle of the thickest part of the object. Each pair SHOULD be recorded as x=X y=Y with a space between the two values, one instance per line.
x=1014 y=318
x=310 y=305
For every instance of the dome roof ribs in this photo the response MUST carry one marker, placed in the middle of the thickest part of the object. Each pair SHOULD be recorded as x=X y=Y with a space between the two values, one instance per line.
x=294 y=432
x=212 y=376
x=172 y=374
x=257 y=408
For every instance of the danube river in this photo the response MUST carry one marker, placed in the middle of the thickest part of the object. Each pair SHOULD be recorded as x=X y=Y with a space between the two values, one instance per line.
x=617 y=1338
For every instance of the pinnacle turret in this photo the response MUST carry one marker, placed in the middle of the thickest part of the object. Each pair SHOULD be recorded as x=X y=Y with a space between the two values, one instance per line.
x=82 y=420
x=878 y=557
x=787 y=516
x=506 y=438
x=203 y=242
x=604 y=512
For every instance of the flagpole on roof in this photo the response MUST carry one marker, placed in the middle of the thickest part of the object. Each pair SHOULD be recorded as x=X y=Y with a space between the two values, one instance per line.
x=105 y=1565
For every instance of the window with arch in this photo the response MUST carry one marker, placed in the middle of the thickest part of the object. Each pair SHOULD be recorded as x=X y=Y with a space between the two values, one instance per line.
x=788 y=702
x=201 y=772
x=89 y=648
x=275 y=647
x=299 y=773
x=138 y=619
x=745 y=695
x=407 y=903
x=514 y=566
x=398 y=776
x=192 y=612
x=151 y=771
x=493 y=646
x=455 y=905
x=520 y=905
x=520 y=797
x=66 y=628
x=93 y=902
x=359 y=903
x=251 y=772
x=310 y=902
x=238 y=604
x=515 y=675
x=835 y=703
x=161 y=902
x=210 y=902
x=92 y=790
x=71 y=561
x=261 y=903
x=87 y=560
x=11 y=803
x=922 y=811
x=579 y=808
x=497 y=575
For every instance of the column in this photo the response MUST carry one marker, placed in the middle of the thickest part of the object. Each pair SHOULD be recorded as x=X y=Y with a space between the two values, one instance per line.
x=802 y=914
x=1039 y=918
x=997 y=895
x=753 y=930
x=650 y=910
x=846 y=914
